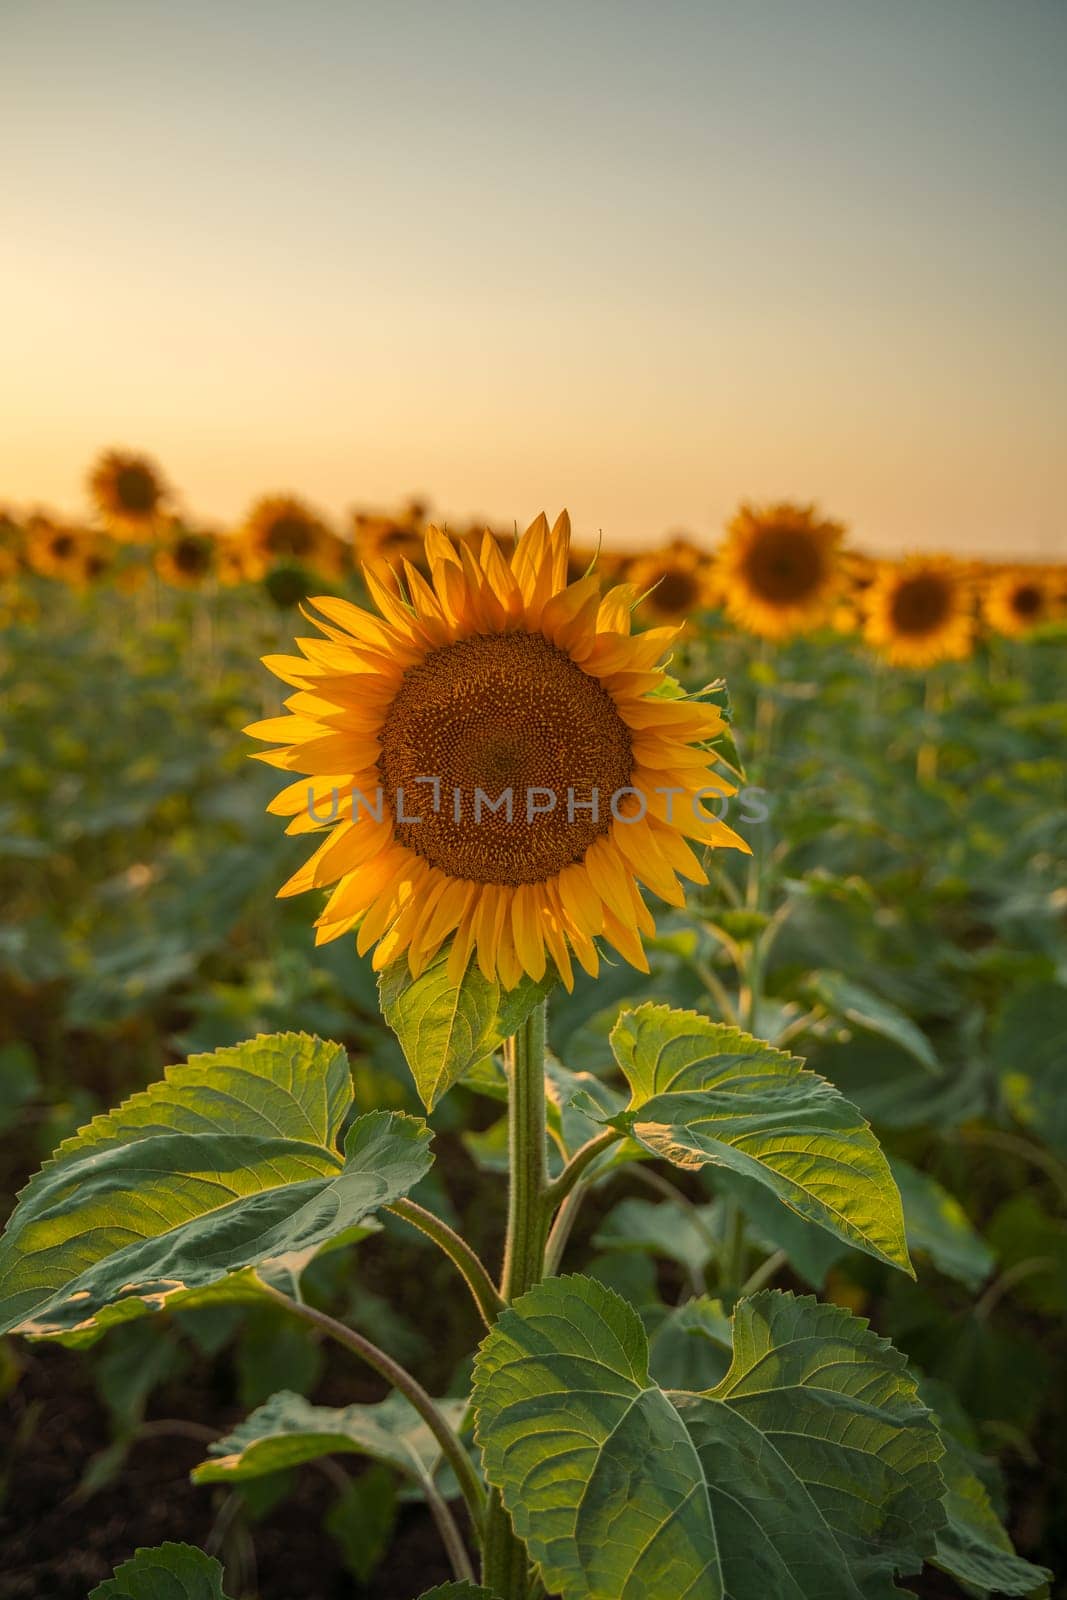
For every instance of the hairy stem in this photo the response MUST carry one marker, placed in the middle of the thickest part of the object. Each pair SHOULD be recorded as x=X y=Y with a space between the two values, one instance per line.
x=477 y=1278
x=505 y=1563
x=400 y=1378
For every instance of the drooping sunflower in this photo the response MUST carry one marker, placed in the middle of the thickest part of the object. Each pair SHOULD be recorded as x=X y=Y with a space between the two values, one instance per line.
x=129 y=492
x=494 y=679
x=920 y=611
x=282 y=530
x=1018 y=599
x=778 y=568
x=186 y=559
x=674 y=583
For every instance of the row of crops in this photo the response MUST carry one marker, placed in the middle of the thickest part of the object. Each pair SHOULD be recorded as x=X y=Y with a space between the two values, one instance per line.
x=893 y=918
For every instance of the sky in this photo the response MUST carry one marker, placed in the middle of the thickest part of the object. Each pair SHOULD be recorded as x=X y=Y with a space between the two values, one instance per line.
x=644 y=260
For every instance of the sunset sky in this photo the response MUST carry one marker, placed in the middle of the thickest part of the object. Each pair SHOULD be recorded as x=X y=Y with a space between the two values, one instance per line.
x=644 y=260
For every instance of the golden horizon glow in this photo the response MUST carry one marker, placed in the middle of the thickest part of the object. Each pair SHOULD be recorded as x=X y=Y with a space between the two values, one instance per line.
x=355 y=256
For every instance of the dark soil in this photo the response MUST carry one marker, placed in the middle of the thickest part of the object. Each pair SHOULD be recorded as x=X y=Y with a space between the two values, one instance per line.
x=58 y=1544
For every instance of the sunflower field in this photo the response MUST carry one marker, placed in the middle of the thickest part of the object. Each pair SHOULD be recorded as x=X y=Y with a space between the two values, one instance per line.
x=582 y=1114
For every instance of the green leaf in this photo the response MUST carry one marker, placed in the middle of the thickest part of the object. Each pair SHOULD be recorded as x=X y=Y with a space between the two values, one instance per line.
x=288 y=1430
x=166 y=1572
x=362 y=1519
x=706 y=1093
x=229 y=1163
x=863 y=1009
x=443 y=1030
x=973 y=1547
x=809 y=1471
x=810 y=1249
x=680 y=1233
x=691 y=1346
x=939 y=1227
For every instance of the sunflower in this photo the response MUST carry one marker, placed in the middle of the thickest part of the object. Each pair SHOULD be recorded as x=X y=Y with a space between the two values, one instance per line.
x=508 y=763
x=282 y=530
x=186 y=559
x=378 y=537
x=1017 y=599
x=674 y=582
x=920 y=611
x=778 y=568
x=129 y=492
x=56 y=549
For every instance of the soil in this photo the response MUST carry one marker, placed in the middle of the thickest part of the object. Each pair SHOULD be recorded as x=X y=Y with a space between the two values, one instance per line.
x=57 y=1544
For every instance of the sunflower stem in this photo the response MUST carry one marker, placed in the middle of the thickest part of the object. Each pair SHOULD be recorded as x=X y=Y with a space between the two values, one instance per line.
x=505 y=1564
x=524 y=1059
x=460 y=1253
x=452 y=1447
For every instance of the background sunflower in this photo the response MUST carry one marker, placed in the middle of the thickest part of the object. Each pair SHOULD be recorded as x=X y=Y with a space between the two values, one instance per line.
x=920 y=611
x=673 y=583
x=129 y=493
x=1018 y=599
x=778 y=568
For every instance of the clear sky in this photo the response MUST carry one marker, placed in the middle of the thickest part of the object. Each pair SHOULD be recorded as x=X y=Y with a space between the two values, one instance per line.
x=645 y=259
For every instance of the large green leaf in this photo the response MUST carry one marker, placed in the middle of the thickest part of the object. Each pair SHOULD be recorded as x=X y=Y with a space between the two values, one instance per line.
x=973 y=1547
x=445 y=1030
x=808 y=1473
x=288 y=1430
x=707 y=1093
x=230 y=1163
x=166 y=1572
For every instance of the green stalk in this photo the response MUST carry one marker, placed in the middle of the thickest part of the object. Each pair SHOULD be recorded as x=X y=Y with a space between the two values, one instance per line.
x=524 y=1059
x=505 y=1564
x=459 y=1252
x=452 y=1447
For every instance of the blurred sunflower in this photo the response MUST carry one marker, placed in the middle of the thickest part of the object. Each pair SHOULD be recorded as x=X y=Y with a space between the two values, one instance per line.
x=778 y=568
x=919 y=611
x=185 y=559
x=282 y=530
x=674 y=582
x=129 y=493
x=56 y=549
x=390 y=538
x=1018 y=599
x=494 y=678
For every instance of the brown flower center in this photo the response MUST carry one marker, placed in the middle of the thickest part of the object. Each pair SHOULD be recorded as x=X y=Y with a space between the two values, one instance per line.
x=784 y=566
x=192 y=556
x=1027 y=600
x=135 y=490
x=496 y=715
x=920 y=604
x=676 y=593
